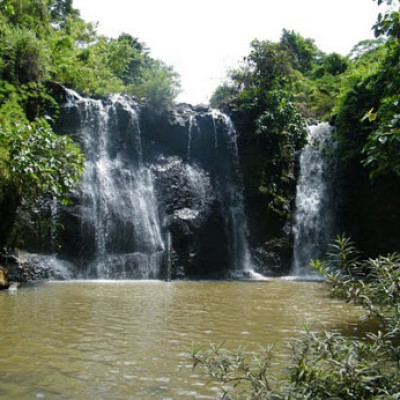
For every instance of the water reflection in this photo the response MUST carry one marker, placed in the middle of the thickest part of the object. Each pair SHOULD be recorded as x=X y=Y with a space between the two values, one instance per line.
x=130 y=340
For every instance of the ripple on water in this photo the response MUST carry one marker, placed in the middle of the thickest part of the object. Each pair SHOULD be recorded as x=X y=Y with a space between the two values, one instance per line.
x=131 y=340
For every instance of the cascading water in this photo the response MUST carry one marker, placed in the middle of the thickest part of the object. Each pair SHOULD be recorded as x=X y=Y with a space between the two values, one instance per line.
x=232 y=199
x=118 y=207
x=159 y=198
x=192 y=122
x=313 y=227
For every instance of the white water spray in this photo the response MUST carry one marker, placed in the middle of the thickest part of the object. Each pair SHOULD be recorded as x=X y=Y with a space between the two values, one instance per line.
x=118 y=203
x=313 y=227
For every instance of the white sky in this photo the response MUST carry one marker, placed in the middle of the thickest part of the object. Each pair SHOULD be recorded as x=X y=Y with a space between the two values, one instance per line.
x=203 y=39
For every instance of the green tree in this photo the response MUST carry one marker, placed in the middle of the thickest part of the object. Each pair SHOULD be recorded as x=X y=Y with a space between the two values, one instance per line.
x=47 y=40
x=223 y=96
x=35 y=164
x=261 y=100
x=370 y=105
x=158 y=85
x=383 y=144
x=62 y=9
x=302 y=51
x=335 y=64
x=359 y=93
x=126 y=58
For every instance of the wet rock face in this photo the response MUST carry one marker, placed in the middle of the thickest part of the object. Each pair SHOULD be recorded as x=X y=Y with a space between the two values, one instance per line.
x=160 y=195
x=192 y=214
x=193 y=154
x=30 y=267
x=185 y=185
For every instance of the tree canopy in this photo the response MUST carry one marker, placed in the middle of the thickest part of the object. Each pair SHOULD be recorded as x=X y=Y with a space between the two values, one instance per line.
x=359 y=93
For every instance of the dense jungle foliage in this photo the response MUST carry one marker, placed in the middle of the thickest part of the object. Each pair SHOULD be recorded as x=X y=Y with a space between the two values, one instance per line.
x=280 y=86
x=281 y=83
x=46 y=41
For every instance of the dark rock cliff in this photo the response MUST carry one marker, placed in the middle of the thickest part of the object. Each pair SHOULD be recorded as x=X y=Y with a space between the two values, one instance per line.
x=160 y=196
x=369 y=211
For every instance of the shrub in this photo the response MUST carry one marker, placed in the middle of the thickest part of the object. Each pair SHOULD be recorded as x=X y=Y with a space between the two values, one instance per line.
x=327 y=365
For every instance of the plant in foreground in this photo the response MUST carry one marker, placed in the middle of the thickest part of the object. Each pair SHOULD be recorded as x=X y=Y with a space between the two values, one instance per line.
x=326 y=365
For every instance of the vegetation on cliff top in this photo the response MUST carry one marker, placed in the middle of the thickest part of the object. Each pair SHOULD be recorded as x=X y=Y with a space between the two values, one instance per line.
x=368 y=110
x=47 y=40
x=360 y=92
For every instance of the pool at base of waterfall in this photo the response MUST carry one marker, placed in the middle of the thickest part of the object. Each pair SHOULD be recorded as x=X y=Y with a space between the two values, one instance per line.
x=131 y=339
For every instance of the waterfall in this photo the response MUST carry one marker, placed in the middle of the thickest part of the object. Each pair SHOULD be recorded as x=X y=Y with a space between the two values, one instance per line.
x=160 y=196
x=192 y=121
x=233 y=203
x=215 y=114
x=313 y=227
x=118 y=207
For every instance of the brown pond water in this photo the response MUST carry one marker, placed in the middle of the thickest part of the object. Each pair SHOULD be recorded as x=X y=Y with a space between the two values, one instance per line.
x=131 y=340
